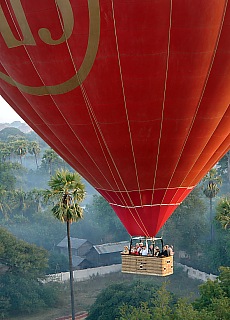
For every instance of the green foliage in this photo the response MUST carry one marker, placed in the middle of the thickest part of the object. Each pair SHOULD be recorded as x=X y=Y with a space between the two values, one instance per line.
x=162 y=304
x=220 y=308
x=187 y=227
x=21 y=290
x=167 y=307
x=152 y=304
x=34 y=149
x=4 y=206
x=223 y=212
x=223 y=169
x=34 y=200
x=208 y=291
x=107 y=219
x=215 y=296
x=218 y=253
x=5 y=152
x=181 y=310
x=19 y=206
x=224 y=280
x=42 y=229
x=7 y=134
x=21 y=294
x=4 y=305
x=22 y=257
x=211 y=183
x=133 y=313
x=57 y=263
x=8 y=174
x=89 y=226
x=20 y=148
x=184 y=310
x=67 y=191
x=114 y=297
x=51 y=161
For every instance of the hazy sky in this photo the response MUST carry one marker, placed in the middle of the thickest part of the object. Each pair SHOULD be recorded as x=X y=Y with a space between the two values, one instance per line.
x=7 y=114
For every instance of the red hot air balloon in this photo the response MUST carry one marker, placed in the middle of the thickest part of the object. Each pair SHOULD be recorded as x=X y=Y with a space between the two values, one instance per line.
x=133 y=94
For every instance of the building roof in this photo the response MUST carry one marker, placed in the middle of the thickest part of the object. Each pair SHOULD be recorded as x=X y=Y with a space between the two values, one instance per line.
x=110 y=247
x=75 y=243
x=77 y=260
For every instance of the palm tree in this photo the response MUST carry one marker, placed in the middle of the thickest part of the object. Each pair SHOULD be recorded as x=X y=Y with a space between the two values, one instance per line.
x=19 y=201
x=5 y=152
x=223 y=212
x=4 y=206
x=67 y=191
x=34 y=149
x=211 y=183
x=228 y=166
x=20 y=148
x=34 y=198
x=49 y=157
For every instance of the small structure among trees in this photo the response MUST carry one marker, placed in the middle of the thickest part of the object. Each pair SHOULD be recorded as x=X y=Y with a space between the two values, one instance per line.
x=107 y=253
x=80 y=248
x=86 y=255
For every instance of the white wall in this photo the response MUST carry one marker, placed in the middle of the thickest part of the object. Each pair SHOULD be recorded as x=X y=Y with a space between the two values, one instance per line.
x=86 y=274
x=196 y=274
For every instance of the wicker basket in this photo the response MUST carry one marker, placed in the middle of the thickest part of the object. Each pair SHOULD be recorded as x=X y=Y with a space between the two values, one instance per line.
x=147 y=265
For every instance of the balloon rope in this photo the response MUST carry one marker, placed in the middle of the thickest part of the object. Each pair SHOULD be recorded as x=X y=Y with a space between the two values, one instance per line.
x=199 y=103
x=164 y=98
x=127 y=117
x=82 y=90
x=95 y=122
x=212 y=161
x=87 y=103
x=124 y=97
x=70 y=159
x=29 y=103
x=52 y=98
x=98 y=132
x=91 y=115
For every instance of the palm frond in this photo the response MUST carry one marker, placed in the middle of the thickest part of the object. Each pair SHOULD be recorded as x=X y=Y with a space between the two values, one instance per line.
x=67 y=192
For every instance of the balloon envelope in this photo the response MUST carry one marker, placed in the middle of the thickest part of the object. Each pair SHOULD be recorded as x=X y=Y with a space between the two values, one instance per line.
x=133 y=94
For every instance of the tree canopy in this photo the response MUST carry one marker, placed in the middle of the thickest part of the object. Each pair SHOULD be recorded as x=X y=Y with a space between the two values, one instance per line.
x=111 y=226
x=142 y=301
x=21 y=267
x=21 y=257
x=223 y=212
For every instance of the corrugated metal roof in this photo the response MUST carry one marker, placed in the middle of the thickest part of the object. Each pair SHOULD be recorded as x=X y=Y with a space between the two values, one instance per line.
x=75 y=243
x=111 y=247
